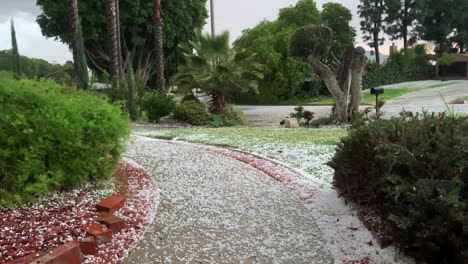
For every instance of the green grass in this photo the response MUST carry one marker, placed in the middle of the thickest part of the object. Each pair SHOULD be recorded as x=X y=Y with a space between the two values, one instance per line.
x=465 y=98
x=303 y=148
x=367 y=97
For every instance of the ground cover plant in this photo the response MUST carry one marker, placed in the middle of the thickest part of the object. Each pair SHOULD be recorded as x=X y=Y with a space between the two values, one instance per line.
x=52 y=139
x=412 y=172
x=303 y=148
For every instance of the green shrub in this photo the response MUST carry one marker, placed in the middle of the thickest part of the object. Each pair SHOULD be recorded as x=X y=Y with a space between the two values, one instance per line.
x=157 y=105
x=192 y=112
x=410 y=65
x=235 y=116
x=51 y=140
x=412 y=171
x=231 y=117
x=322 y=121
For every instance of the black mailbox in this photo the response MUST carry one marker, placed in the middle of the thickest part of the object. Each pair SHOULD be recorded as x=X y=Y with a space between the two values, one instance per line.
x=377 y=91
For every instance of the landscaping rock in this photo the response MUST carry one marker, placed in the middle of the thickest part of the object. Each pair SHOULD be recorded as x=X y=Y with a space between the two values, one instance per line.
x=291 y=123
x=113 y=222
x=111 y=204
x=100 y=233
x=68 y=253
x=88 y=246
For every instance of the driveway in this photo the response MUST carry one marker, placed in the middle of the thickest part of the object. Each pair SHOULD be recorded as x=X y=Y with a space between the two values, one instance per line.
x=418 y=101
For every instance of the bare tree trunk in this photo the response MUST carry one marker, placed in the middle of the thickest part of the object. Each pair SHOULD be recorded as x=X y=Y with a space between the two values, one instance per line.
x=376 y=47
x=113 y=38
x=218 y=102
x=158 y=41
x=74 y=20
x=357 y=69
x=331 y=81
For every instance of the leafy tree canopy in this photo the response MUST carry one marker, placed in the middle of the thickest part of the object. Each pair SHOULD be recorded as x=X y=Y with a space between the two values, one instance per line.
x=137 y=27
x=443 y=22
x=269 y=40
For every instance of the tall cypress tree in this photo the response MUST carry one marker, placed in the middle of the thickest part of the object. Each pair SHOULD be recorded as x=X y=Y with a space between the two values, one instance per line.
x=83 y=77
x=16 y=56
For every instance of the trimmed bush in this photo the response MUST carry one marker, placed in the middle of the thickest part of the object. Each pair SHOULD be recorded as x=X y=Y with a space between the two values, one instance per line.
x=412 y=171
x=192 y=112
x=157 y=105
x=231 y=117
x=51 y=140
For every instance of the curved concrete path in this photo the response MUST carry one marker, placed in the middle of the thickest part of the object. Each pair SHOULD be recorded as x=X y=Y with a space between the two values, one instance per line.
x=215 y=209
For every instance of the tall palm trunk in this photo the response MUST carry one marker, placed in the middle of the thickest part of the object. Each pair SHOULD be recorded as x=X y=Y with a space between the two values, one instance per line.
x=74 y=20
x=78 y=48
x=158 y=40
x=113 y=32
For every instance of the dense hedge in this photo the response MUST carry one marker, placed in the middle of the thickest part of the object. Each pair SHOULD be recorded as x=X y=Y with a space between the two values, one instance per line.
x=412 y=171
x=157 y=105
x=52 y=139
x=404 y=66
x=192 y=112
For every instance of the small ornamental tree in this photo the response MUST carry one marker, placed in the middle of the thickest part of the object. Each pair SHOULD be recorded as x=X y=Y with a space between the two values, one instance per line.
x=342 y=77
x=218 y=70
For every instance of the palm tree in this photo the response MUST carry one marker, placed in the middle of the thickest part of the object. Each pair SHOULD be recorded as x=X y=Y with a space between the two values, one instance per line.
x=218 y=70
x=158 y=41
x=74 y=21
x=114 y=40
x=212 y=15
x=78 y=49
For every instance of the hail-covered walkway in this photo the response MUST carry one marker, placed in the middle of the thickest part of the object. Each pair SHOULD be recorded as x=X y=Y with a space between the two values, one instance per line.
x=216 y=209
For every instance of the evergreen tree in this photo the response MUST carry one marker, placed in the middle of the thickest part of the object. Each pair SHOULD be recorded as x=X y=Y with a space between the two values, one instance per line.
x=372 y=11
x=401 y=15
x=16 y=56
x=436 y=22
x=83 y=77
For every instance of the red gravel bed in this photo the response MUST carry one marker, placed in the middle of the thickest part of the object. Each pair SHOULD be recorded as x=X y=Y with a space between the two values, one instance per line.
x=56 y=218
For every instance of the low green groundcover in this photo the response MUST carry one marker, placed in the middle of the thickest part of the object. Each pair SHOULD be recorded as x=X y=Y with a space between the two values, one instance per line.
x=52 y=138
x=412 y=171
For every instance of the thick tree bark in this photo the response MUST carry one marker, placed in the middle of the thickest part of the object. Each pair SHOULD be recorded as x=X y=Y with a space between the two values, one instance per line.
x=357 y=69
x=218 y=102
x=74 y=20
x=158 y=39
x=330 y=79
x=112 y=28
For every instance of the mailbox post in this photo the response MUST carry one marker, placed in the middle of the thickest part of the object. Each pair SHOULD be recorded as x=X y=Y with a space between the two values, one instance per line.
x=377 y=92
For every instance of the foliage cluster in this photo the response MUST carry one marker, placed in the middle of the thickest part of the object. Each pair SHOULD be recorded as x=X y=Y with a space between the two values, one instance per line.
x=37 y=68
x=157 y=105
x=230 y=117
x=137 y=28
x=217 y=69
x=53 y=139
x=196 y=113
x=269 y=40
x=410 y=65
x=192 y=112
x=412 y=171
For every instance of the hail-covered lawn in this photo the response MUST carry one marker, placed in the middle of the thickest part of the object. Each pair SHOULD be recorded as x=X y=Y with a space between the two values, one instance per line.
x=303 y=148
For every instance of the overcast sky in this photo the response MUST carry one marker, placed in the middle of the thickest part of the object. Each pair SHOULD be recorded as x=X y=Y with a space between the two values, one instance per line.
x=234 y=16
